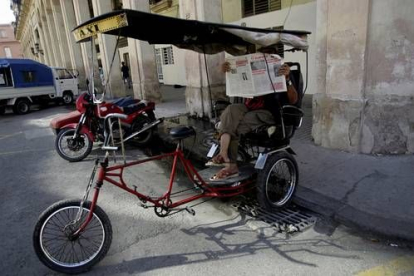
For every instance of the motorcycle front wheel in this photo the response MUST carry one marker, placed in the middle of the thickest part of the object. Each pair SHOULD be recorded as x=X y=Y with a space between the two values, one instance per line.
x=73 y=149
x=60 y=250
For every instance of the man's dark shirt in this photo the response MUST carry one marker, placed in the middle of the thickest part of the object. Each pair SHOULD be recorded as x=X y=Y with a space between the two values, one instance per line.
x=125 y=71
x=273 y=102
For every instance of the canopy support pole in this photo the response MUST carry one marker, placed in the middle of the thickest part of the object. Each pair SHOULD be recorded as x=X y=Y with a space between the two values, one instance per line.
x=213 y=109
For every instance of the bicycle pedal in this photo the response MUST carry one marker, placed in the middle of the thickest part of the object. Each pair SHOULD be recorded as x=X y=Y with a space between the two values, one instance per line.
x=143 y=205
x=190 y=210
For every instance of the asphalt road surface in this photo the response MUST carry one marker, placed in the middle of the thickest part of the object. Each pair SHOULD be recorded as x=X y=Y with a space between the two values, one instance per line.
x=219 y=240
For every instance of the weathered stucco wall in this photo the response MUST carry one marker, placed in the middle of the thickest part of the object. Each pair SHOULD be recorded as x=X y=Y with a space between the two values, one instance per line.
x=388 y=125
x=197 y=93
x=365 y=63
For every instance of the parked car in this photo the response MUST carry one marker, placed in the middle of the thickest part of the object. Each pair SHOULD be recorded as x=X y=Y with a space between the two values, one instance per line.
x=24 y=82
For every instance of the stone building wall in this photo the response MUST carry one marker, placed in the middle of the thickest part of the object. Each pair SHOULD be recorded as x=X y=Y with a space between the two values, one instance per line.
x=365 y=76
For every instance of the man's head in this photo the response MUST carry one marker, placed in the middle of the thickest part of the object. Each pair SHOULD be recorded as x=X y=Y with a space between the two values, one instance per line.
x=123 y=63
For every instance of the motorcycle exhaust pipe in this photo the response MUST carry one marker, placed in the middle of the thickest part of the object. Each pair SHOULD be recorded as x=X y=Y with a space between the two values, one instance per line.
x=151 y=125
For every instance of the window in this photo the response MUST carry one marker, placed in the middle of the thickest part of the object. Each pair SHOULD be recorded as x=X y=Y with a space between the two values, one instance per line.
x=159 y=65
x=90 y=6
x=167 y=55
x=116 y=5
x=7 y=52
x=3 y=34
x=28 y=76
x=5 y=77
x=253 y=7
x=63 y=74
x=153 y=2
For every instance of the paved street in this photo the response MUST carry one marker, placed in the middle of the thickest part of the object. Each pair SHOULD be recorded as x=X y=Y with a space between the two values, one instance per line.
x=217 y=241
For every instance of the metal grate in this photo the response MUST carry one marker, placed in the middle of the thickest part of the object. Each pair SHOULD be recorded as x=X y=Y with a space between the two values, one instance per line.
x=290 y=220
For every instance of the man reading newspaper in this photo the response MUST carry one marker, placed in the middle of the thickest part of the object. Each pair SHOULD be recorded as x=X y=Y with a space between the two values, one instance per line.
x=238 y=119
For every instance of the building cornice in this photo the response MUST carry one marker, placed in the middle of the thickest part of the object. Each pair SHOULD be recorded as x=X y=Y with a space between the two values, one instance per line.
x=22 y=17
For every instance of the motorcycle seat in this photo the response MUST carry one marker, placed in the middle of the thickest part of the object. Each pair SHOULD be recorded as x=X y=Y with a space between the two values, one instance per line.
x=124 y=102
x=134 y=107
x=182 y=132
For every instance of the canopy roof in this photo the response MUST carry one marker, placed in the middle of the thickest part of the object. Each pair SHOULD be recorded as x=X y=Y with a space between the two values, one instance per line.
x=194 y=35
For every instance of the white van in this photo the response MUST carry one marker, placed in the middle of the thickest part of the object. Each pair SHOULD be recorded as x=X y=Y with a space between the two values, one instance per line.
x=66 y=84
x=24 y=82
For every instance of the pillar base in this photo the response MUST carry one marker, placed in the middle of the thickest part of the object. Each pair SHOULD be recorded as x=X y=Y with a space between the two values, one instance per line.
x=337 y=124
x=149 y=91
x=198 y=99
x=388 y=125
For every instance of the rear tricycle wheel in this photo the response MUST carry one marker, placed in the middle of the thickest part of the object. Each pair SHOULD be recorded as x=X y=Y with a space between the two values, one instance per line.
x=277 y=182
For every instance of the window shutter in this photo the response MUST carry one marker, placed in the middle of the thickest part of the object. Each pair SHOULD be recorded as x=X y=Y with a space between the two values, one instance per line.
x=253 y=7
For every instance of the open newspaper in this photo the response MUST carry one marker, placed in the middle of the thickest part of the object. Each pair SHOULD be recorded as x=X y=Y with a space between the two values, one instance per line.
x=254 y=75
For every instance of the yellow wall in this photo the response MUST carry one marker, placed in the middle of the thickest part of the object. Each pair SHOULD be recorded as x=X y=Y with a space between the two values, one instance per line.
x=232 y=10
x=163 y=9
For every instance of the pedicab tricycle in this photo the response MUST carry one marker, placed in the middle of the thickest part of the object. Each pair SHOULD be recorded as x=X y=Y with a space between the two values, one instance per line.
x=71 y=236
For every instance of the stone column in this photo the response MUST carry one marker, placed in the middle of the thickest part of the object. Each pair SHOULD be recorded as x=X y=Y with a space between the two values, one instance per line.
x=57 y=59
x=74 y=49
x=365 y=81
x=107 y=44
x=197 y=93
x=81 y=9
x=60 y=35
x=388 y=115
x=340 y=98
x=142 y=61
x=46 y=45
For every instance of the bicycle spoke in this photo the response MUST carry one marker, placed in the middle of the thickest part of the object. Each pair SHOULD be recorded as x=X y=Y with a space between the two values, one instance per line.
x=68 y=252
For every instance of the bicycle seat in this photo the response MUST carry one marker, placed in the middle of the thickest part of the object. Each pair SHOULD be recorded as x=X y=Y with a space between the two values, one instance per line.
x=182 y=132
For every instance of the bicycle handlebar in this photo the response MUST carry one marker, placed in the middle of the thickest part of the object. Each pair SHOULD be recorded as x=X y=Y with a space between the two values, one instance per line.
x=106 y=131
x=116 y=115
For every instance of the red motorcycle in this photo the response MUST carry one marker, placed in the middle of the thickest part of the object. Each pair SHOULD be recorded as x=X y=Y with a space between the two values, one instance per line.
x=77 y=130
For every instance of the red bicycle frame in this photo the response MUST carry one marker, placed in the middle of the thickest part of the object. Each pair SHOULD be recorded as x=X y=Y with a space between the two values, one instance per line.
x=114 y=175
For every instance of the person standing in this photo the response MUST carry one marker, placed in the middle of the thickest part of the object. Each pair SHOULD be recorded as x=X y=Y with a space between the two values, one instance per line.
x=125 y=74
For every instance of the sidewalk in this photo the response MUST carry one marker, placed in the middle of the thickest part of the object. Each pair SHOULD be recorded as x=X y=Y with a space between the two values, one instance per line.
x=372 y=193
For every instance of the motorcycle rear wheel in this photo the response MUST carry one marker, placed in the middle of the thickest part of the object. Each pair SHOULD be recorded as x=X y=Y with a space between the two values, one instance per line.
x=144 y=138
x=70 y=149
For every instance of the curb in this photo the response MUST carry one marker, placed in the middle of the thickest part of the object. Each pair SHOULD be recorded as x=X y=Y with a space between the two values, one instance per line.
x=389 y=228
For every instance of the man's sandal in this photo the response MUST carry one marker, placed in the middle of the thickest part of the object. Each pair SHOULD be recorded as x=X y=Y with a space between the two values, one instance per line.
x=224 y=174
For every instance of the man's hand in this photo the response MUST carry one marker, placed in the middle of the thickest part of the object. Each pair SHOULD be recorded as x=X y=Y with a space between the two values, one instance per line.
x=225 y=67
x=284 y=70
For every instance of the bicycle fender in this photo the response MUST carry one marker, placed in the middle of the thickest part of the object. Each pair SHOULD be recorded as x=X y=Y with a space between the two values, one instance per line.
x=291 y=151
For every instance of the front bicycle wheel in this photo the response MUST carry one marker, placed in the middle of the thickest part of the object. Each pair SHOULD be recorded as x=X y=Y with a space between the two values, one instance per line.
x=57 y=247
